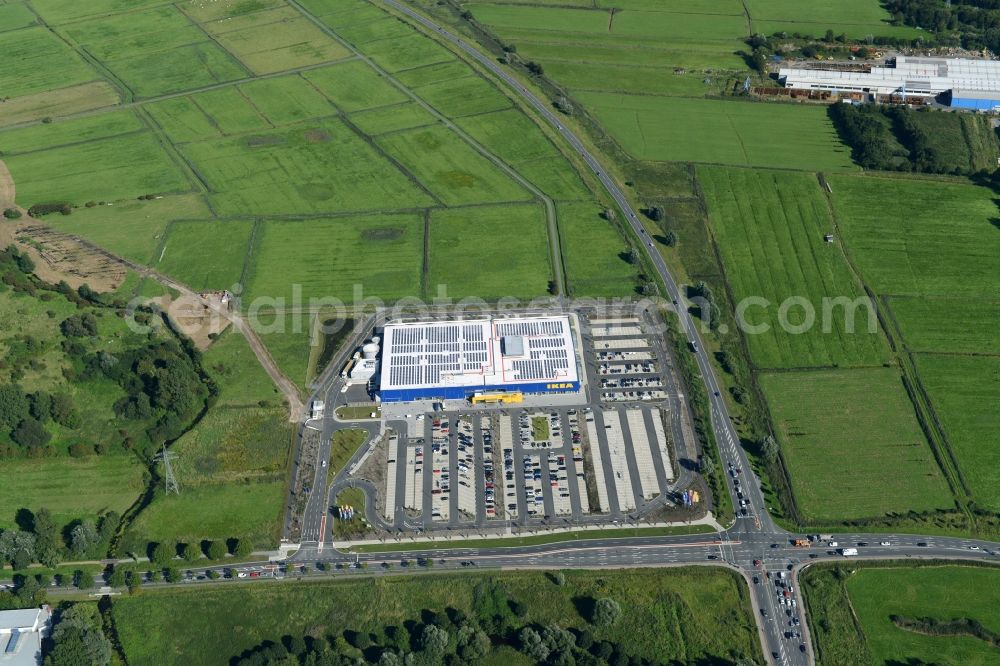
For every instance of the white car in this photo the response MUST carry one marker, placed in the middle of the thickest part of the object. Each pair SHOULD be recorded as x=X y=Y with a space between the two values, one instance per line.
x=973 y=547
x=885 y=543
x=242 y=574
x=324 y=463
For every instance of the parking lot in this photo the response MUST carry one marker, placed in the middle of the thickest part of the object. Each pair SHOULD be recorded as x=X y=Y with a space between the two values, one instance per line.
x=592 y=457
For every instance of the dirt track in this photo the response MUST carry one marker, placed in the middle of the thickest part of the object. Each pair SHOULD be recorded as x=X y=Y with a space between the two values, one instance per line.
x=49 y=271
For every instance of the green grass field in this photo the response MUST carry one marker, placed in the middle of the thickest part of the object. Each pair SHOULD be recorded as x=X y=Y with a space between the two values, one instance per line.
x=230 y=111
x=132 y=229
x=905 y=249
x=36 y=61
x=245 y=511
x=465 y=96
x=957 y=326
x=206 y=255
x=853 y=445
x=354 y=86
x=769 y=227
x=241 y=379
x=687 y=615
x=520 y=143
x=70 y=488
x=856 y=18
x=315 y=168
x=380 y=255
x=287 y=99
x=280 y=40
x=489 y=252
x=721 y=131
x=120 y=167
x=592 y=253
x=392 y=118
x=451 y=169
x=63 y=132
x=16 y=15
x=850 y=613
x=964 y=392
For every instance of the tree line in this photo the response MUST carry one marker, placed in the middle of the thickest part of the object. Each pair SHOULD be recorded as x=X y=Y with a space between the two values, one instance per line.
x=455 y=638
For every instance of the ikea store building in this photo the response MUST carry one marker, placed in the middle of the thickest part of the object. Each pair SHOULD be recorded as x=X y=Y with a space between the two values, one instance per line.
x=448 y=360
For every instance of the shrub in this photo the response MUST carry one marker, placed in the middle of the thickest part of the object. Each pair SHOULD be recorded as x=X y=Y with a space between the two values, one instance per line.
x=30 y=433
x=44 y=209
x=12 y=213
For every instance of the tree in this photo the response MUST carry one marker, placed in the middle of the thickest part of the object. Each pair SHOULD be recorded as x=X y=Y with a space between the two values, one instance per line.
x=117 y=578
x=213 y=574
x=30 y=433
x=47 y=545
x=108 y=525
x=390 y=659
x=63 y=411
x=133 y=581
x=216 y=550
x=83 y=537
x=21 y=560
x=655 y=213
x=79 y=326
x=769 y=447
x=560 y=643
x=190 y=552
x=41 y=406
x=434 y=639
x=707 y=465
x=12 y=213
x=670 y=239
x=606 y=612
x=172 y=575
x=535 y=68
x=473 y=644
x=244 y=547
x=14 y=406
x=84 y=579
x=163 y=553
x=78 y=638
x=13 y=542
x=532 y=645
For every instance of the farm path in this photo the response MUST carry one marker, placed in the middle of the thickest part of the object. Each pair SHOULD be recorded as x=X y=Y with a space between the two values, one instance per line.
x=7 y=189
x=287 y=387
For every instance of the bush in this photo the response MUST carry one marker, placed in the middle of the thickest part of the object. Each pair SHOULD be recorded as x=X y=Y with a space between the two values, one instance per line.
x=30 y=433
x=12 y=213
x=80 y=450
x=606 y=612
x=44 y=209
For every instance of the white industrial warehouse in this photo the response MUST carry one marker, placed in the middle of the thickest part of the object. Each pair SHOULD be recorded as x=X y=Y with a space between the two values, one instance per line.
x=456 y=359
x=974 y=84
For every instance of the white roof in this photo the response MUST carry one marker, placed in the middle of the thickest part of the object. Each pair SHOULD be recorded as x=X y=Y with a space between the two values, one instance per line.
x=916 y=75
x=470 y=353
x=21 y=632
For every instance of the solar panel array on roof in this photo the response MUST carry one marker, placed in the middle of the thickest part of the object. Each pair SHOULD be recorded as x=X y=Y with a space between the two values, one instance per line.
x=498 y=352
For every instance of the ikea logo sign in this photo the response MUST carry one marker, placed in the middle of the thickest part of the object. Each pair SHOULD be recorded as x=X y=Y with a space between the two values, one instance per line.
x=563 y=385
